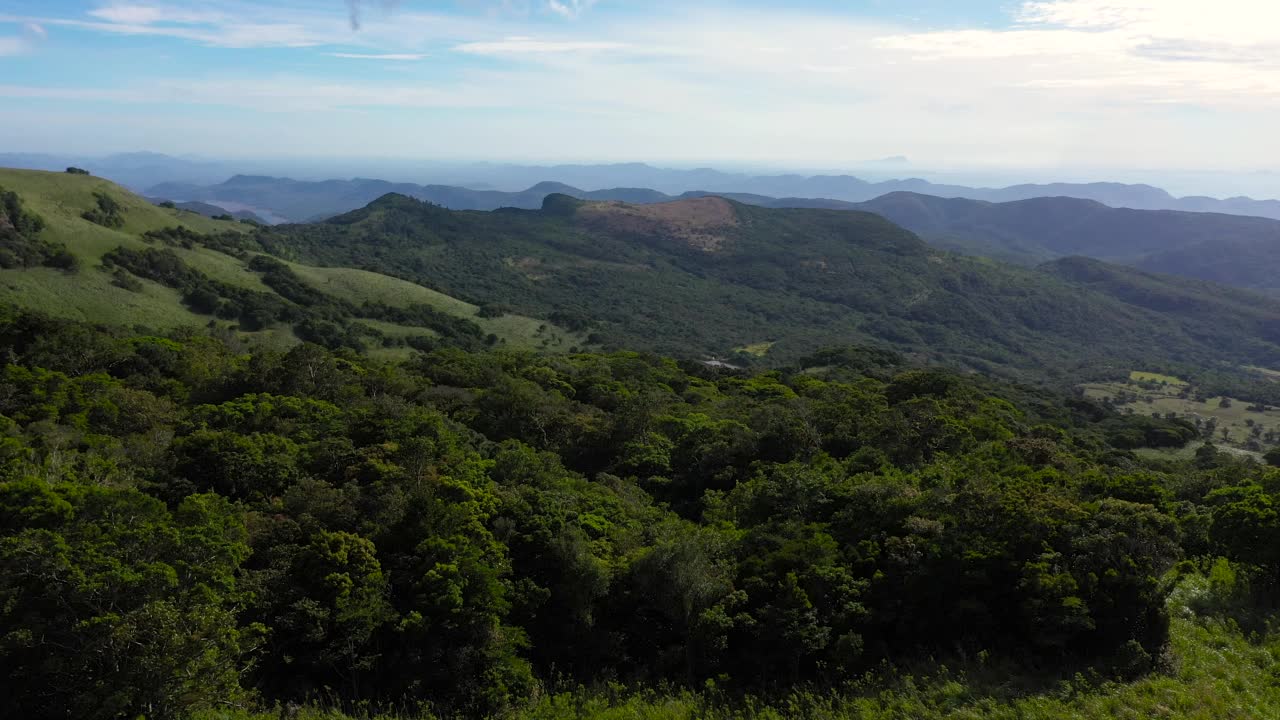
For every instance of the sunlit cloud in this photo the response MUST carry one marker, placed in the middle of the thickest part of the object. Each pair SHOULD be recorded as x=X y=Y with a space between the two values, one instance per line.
x=569 y=8
x=526 y=45
x=1105 y=79
x=375 y=56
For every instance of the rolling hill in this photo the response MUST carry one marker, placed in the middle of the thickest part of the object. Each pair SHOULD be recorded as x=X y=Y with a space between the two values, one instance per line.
x=115 y=281
x=1230 y=249
x=704 y=276
x=698 y=277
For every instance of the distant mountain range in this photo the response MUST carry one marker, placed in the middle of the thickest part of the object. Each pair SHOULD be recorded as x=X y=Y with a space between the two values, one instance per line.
x=300 y=200
x=214 y=211
x=135 y=170
x=1230 y=249
x=145 y=170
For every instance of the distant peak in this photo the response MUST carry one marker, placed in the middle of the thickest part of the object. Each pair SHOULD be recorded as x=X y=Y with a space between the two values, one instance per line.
x=248 y=179
x=550 y=186
x=561 y=204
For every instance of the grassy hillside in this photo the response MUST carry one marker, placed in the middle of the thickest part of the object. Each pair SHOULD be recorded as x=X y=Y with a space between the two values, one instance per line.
x=92 y=293
x=362 y=285
x=692 y=279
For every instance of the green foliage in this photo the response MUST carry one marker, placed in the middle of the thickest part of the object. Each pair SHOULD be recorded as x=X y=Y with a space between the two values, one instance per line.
x=114 y=606
x=20 y=242
x=468 y=531
x=76 y=171
x=107 y=213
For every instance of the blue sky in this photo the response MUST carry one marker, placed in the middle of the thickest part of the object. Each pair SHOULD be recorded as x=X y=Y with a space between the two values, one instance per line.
x=1044 y=83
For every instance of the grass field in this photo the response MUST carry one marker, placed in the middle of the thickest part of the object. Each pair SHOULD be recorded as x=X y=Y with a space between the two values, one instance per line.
x=1140 y=376
x=60 y=199
x=1233 y=416
x=759 y=349
x=1265 y=372
x=360 y=286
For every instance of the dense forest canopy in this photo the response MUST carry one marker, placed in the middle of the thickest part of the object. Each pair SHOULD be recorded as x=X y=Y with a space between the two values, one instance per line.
x=187 y=524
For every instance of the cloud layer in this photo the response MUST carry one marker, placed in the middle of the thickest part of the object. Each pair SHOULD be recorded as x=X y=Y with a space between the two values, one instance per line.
x=1063 y=81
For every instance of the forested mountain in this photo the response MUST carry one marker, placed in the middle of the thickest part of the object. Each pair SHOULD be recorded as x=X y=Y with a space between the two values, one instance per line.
x=1230 y=249
x=709 y=275
x=190 y=525
x=247 y=469
x=212 y=211
x=701 y=277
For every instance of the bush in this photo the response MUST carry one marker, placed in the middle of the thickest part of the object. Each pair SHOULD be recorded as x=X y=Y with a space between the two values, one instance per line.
x=107 y=213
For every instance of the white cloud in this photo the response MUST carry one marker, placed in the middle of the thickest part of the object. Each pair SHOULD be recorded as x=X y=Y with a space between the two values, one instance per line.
x=375 y=56
x=30 y=35
x=10 y=46
x=1112 y=81
x=526 y=45
x=569 y=8
x=1122 y=52
x=150 y=14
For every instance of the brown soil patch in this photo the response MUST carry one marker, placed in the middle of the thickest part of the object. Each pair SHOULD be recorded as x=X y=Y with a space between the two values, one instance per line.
x=698 y=222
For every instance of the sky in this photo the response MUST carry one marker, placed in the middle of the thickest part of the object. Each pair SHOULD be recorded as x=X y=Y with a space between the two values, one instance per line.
x=814 y=83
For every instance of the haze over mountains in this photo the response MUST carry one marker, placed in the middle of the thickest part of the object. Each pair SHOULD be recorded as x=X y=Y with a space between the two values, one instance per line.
x=302 y=200
x=145 y=170
x=1231 y=241
x=1230 y=249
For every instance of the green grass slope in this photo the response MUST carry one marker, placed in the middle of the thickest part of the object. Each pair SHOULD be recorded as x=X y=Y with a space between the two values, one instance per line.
x=60 y=200
x=360 y=286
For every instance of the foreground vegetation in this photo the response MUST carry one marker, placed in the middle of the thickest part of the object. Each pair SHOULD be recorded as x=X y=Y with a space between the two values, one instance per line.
x=190 y=525
x=1218 y=675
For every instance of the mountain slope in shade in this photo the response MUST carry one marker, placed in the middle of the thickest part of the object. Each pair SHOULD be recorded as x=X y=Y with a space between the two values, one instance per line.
x=705 y=276
x=1230 y=249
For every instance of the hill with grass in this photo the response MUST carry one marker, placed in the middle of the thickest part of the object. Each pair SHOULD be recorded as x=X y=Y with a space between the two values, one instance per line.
x=144 y=265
